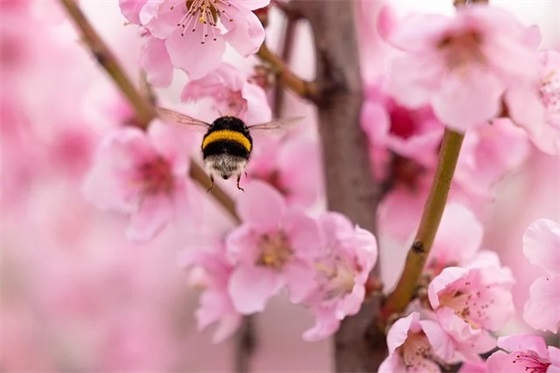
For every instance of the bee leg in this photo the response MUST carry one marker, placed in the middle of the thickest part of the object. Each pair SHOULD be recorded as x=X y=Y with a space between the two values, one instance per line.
x=238 y=179
x=211 y=185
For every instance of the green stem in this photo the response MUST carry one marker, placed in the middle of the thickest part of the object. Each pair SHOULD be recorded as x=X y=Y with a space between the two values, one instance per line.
x=399 y=298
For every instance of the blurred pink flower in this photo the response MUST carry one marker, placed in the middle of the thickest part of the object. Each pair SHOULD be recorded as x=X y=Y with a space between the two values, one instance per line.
x=537 y=107
x=474 y=367
x=458 y=238
x=541 y=245
x=486 y=156
x=411 y=133
x=342 y=268
x=525 y=353
x=142 y=175
x=274 y=247
x=470 y=302
x=215 y=302
x=416 y=345
x=195 y=28
x=292 y=165
x=232 y=94
x=460 y=63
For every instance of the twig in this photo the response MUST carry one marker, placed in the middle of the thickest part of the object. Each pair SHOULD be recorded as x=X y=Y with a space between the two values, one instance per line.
x=429 y=223
x=143 y=107
x=459 y=3
x=245 y=345
x=286 y=77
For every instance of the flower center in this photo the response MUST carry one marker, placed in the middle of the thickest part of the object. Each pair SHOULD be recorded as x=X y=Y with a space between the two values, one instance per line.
x=549 y=91
x=462 y=49
x=531 y=362
x=337 y=277
x=417 y=354
x=155 y=176
x=204 y=13
x=275 y=250
x=471 y=306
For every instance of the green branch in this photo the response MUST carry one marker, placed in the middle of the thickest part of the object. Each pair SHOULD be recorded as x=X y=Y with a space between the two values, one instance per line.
x=399 y=298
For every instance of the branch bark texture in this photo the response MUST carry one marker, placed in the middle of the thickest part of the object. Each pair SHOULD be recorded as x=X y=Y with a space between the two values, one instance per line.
x=359 y=346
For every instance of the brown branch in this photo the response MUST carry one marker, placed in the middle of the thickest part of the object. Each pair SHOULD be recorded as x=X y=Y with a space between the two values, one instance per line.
x=143 y=107
x=359 y=346
x=429 y=223
x=246 y=342
x=286 y=77
x=459 y=3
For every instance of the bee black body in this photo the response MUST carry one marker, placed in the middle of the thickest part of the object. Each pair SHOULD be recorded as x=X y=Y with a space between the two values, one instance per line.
x=226 y=148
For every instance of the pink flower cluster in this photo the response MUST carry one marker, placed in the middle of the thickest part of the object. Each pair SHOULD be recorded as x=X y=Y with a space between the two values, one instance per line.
x=474 y=67
x=466 y=304
x=192 y=35
x=323 y=264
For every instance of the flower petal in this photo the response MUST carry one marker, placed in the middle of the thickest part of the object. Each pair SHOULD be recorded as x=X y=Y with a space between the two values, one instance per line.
x=250 y=288
x=541 y=244
x=542 y=310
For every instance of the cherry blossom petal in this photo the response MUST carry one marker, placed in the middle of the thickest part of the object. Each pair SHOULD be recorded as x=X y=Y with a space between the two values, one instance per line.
x=250 y=288
x=541 y=245
x=459 y=94
x=523 y=342
x=261 y=205
x=131 y=9
x=246 y=32
x=542 y=310
x=183 y=49
x=255 y=4
x=152 y=216
x=155 y=61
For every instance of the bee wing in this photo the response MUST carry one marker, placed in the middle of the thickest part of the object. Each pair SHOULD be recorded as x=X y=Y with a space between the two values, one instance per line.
x=274 y=124
x=178 y=118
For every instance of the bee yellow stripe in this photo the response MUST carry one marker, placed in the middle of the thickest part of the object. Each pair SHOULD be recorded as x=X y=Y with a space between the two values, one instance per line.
x=229 y=136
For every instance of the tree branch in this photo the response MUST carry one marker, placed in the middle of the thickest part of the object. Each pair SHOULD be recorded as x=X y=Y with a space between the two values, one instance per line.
x=246 y=342
x=359 y=345
x=429 y=223
x=143 y=107
x=285 y=76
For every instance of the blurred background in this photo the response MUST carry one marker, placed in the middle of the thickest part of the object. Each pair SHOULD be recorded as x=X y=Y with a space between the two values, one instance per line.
x=75 y=294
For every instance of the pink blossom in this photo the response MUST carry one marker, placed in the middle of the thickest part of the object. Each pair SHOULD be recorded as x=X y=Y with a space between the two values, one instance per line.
x=486 y=156
x=541 y=245
x=199 y=29
x=232 y=94
x=524 y=353
x=142 y=175
x=416 y=346
x=474 y=367
x=470 y=302
x=342 y=269
x=460 y=63
x=215 y=302
x=536 y=107
x=292 y=165
x=410 y=133
x=458 y=238
x=273 y=248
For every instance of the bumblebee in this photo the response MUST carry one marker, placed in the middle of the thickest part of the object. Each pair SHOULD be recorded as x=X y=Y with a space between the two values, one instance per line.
x=226 y=145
